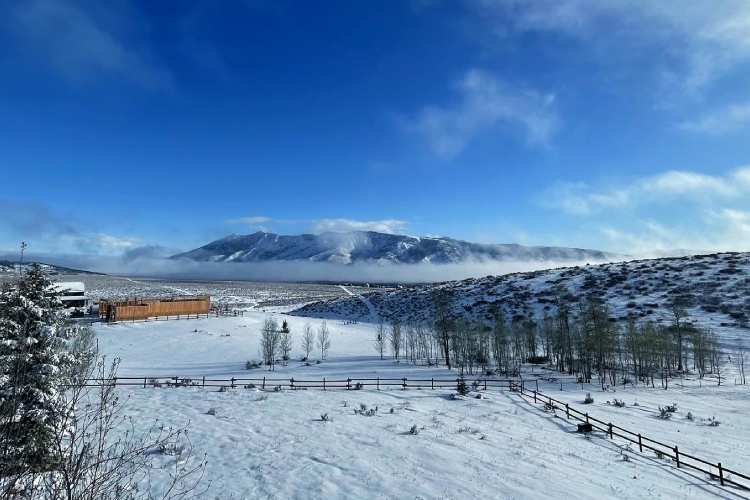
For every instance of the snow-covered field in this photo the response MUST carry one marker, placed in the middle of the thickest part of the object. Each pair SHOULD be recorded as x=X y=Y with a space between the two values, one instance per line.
x=274 y=444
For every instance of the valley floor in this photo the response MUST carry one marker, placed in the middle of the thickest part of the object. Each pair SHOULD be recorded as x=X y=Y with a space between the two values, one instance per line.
x=275 y=445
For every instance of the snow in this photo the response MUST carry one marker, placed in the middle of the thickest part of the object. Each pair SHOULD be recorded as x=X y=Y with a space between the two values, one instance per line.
x=274 y=445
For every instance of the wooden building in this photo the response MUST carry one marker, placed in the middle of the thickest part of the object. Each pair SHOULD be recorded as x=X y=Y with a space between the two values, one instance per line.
x=133 y=309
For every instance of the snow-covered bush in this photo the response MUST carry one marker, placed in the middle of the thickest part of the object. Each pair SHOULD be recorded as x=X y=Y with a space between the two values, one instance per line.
x=251 y=365
x=461 y=387
x=414 y=430
x=589 y=399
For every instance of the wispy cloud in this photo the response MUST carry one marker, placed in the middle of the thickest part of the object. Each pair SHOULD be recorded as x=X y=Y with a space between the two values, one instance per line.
x=582 y=199
x=80 y=46
x=729 y=119
x=724 y=229
x=699 y=41
x=252 y=220
x=484 y=103
x=43 y=228
x=389 y=226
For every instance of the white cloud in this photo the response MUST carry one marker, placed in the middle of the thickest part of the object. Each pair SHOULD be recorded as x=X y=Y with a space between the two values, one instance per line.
x=389 y=226
x=581 y=199
x=252 y=220
x=484 y=103
x=99 y=243
x=720 y=230
x=80 y=46
x=732 y=118
x=697 y=42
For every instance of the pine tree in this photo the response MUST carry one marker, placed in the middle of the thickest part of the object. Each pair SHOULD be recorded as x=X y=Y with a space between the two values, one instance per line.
x=33 y=362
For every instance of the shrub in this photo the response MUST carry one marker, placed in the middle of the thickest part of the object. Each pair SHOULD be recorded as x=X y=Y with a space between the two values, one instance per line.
x=461 y=387
x=588 y=400
x=251 y=365
x=414 y=430
x=325 y=418
x=689 y=416
x=619 y=403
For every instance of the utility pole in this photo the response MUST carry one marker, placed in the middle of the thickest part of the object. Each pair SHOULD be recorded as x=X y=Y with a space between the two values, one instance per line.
x=24 y=246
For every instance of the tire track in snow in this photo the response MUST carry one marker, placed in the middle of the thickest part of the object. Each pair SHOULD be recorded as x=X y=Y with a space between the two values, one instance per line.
x=373 y=314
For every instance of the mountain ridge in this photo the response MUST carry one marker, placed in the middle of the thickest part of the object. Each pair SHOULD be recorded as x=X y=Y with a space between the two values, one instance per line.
x=371 y=246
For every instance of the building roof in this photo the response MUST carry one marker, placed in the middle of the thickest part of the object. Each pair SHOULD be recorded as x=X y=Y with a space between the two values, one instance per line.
x=69 y=286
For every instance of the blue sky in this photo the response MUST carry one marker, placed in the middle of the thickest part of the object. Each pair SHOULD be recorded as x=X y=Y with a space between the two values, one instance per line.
x=619 y=125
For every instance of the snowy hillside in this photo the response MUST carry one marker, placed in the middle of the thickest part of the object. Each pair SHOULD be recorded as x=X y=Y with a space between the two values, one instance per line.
x=358 y=246
x=8 y=267
x=716 y=286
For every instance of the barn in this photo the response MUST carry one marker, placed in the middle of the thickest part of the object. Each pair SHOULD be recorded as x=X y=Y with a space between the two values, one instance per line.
x=134 y=309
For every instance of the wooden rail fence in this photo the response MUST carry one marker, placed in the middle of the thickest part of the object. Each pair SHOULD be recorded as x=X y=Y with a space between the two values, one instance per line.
x=715 y=471
x=265 y=383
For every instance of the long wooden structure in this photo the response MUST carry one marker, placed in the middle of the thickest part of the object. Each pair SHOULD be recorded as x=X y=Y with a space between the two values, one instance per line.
x=133 y=309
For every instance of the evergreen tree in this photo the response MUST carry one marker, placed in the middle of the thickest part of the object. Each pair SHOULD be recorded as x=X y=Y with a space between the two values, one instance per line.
x=34 y=362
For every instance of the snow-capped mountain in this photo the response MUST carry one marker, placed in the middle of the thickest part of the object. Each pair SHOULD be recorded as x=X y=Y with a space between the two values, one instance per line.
x=715 y=288
x=369 y=246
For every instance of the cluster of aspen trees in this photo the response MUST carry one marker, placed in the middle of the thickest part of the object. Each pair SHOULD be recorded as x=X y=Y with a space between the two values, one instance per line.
x=579 y=338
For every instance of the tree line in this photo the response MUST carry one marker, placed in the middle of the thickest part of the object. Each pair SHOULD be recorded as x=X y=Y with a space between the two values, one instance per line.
x=580 y=338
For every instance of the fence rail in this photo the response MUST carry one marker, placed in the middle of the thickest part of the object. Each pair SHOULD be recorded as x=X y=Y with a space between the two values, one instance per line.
x=715 y=470
x=294 y=384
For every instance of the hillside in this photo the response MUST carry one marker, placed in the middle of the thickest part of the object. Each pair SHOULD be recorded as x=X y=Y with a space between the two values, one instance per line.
x=716 y=286
x=369 y=246
x=8 y=267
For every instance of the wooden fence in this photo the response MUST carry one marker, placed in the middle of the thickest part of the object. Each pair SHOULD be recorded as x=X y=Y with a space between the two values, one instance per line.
x=266 y=383
x=128 y=310
x=210 y=314
x=715 y=471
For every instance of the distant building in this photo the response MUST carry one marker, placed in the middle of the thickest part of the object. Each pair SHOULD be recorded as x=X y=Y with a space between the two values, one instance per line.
x=72 y=294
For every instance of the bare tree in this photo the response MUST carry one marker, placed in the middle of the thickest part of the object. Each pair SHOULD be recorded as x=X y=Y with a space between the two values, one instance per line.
x=380 y=338
x=324 y=340
x=741 y=365
x=269 y=342
x=395 y=337
x=285 y=341
x=443 y=303
x=308 y=339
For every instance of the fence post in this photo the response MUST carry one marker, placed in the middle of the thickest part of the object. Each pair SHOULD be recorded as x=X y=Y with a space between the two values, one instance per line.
x=144 y=382
x=611 y=436
x=204 y=382
x=232 y=386
x=567 y=411
x=264 y=382
x=291 y=383
x=587 y=418
x=640 y=443
x=114 y=381
x=324 y=383
x=721 y=474
x=378 y=383
x=404 y=388
x=534 y=396
x=175 y=381
x=485 y=384
x=537 y=384
x=432 y=383
x=677 y=456
x=348 y=384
